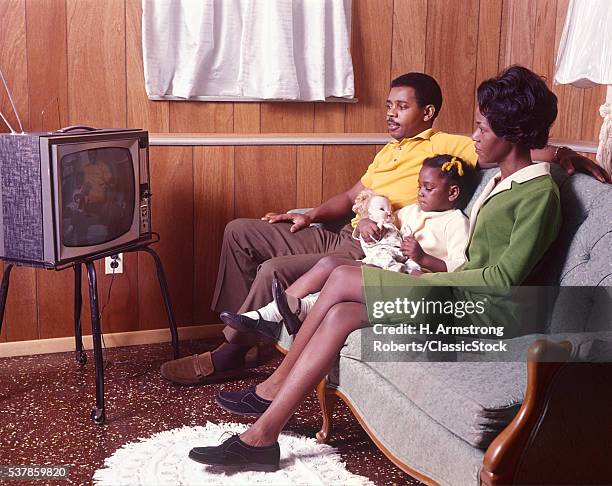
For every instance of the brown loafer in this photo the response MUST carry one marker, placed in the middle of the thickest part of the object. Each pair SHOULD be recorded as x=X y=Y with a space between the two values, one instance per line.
x=197 y=369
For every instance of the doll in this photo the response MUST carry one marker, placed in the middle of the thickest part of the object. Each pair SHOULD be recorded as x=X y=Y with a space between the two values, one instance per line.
x=384 y=253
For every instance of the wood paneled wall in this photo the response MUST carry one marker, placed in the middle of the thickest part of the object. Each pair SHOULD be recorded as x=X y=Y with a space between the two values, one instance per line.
x=80 y=62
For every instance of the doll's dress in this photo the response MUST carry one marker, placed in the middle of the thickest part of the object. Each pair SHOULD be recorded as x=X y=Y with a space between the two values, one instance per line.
x=385 y=253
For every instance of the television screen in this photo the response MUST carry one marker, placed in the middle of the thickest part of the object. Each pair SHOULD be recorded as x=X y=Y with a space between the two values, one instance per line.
x=97 y=195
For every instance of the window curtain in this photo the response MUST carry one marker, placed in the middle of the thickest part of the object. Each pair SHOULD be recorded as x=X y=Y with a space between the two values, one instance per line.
x=258 y=49
x=585 y=60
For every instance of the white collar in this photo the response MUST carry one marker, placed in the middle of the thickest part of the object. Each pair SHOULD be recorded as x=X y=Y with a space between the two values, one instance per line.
x=522 y=175
x=494 y=186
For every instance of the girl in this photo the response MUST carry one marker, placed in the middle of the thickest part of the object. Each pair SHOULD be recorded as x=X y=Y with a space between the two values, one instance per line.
x=512 y=225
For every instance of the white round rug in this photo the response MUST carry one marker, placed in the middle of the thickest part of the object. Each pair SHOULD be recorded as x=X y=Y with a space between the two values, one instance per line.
x=162 y=460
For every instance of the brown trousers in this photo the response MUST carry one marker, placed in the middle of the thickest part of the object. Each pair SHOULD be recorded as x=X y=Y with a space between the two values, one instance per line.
x=253 y=251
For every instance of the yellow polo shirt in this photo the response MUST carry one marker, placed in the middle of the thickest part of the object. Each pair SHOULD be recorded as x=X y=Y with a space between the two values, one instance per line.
x=395 y=169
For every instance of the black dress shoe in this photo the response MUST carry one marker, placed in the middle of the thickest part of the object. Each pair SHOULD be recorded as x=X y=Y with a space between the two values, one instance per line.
x=268 y=329
x=245 y=402
x=235 y=453
x=290 y=318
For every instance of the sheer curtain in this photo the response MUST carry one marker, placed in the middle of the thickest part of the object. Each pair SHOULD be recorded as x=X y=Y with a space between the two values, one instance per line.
x=585 y=60
x=258 y=49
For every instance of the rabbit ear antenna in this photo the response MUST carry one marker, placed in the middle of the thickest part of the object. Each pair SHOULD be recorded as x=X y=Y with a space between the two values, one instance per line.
x=10 y=96
x=7 y=123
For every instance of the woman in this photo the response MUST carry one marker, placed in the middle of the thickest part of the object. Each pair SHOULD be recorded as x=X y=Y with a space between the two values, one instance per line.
x=513 y=223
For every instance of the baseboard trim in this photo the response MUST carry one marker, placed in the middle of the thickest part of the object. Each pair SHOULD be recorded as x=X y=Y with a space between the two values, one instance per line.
x=111 y=340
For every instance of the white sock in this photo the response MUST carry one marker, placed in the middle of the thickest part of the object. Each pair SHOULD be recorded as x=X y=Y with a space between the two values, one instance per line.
x=308 y=303
x=268 y=312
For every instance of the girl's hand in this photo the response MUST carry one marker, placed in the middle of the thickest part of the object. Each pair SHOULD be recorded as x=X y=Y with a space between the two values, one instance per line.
x=368 y=230
x=411 y=249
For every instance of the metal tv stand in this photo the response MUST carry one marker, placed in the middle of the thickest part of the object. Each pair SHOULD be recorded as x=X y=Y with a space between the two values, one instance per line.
x=98 y=413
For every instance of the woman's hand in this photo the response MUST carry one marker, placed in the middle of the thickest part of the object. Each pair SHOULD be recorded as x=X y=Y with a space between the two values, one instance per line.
x=411 y=249
x=368 y=230
x=574 y=162
x=299 y=220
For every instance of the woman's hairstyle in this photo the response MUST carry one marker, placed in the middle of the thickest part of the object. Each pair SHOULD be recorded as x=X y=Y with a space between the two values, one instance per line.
x=455 y=171
x=426 y=89
x=518 y=106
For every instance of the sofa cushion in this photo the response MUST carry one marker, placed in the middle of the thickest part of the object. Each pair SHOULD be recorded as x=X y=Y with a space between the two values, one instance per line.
x=473 y=400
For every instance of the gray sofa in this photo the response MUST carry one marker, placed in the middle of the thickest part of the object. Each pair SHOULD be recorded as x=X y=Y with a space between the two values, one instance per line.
x=542 y=419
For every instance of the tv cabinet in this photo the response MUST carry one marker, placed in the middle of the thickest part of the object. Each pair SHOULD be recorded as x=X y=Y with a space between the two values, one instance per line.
x=98 y=413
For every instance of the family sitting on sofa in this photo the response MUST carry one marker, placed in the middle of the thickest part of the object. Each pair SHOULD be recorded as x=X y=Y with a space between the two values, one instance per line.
x=511 y=226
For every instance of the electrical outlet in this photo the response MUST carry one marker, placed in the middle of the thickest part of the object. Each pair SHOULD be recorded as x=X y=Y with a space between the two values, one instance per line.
x=109 y=262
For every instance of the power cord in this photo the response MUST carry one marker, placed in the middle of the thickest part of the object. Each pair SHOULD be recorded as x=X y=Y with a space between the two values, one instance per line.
x=107 y=363
x=114 y=264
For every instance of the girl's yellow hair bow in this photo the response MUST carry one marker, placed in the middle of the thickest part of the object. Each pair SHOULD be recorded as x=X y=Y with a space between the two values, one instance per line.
x=454 y=162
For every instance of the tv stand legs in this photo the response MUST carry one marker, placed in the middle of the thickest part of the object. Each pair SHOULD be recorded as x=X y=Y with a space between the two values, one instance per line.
x=4 y=290
x=97 y=413
x=161 y=277
x=80 y=356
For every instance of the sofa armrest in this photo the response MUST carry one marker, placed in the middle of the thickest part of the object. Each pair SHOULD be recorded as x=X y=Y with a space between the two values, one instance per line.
x=558 y=434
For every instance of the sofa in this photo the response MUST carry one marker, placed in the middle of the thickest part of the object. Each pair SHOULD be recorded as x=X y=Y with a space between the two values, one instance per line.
x=542 y=418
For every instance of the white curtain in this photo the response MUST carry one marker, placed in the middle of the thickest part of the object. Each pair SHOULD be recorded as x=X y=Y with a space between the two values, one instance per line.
x=265 y=49
x=585 y=60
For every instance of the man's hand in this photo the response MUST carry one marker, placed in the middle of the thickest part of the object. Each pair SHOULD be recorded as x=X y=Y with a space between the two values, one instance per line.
x=368 y=230
x=572 y=161
x=410 y=248
x=299 y=220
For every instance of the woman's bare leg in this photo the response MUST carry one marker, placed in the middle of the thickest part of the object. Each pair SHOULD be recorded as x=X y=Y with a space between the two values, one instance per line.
x=312 y=365
x=343 y=285
x=314 y=279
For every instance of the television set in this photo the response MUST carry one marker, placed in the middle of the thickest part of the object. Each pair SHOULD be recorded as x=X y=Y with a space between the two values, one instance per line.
x=72 y=194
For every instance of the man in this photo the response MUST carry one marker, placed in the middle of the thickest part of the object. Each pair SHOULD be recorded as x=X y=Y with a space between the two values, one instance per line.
x=254 y=251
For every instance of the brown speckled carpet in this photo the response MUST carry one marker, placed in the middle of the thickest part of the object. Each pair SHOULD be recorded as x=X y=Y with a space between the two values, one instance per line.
x=45 y=402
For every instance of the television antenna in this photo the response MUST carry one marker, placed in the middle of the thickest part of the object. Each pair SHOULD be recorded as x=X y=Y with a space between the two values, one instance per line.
x=10 y=96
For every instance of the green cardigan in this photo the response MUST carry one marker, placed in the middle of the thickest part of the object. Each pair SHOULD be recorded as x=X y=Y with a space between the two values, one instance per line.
x=513 y=230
